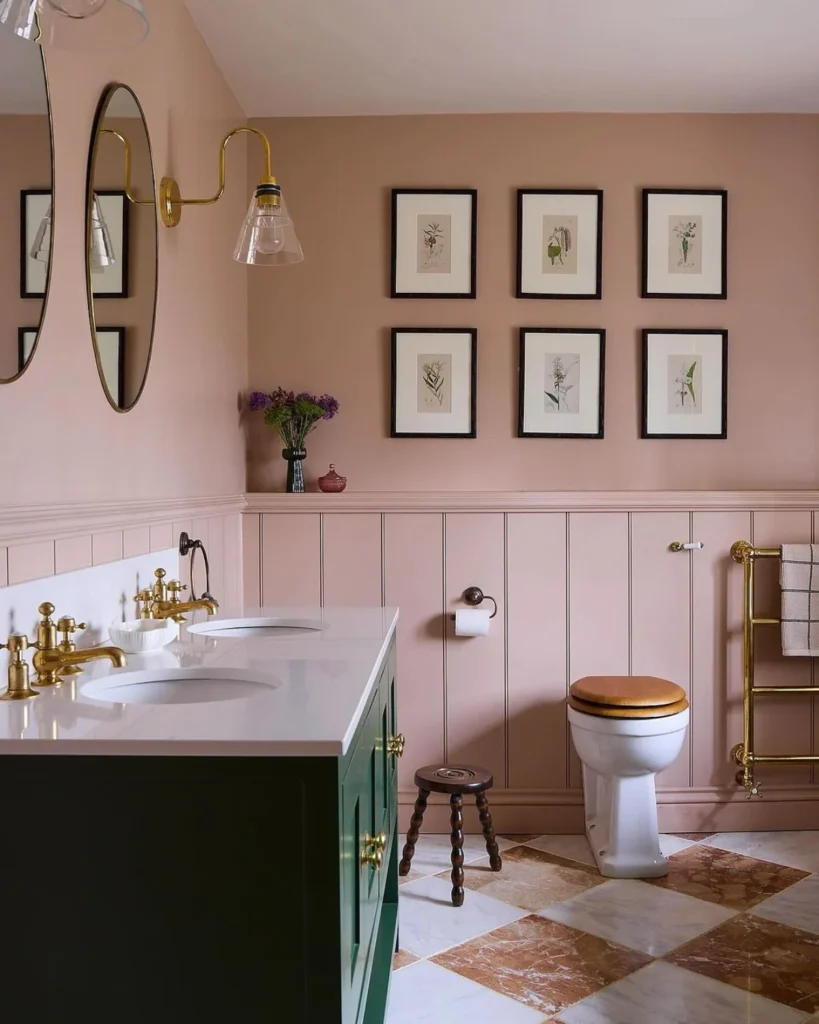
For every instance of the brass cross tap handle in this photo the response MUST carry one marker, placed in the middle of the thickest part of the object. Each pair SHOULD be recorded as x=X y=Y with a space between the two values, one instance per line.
x=66 y=626
x=18 y=685
x=144 y=599
x=395 y=745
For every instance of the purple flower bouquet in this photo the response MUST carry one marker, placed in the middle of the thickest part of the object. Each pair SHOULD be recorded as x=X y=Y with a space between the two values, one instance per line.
x=294 y=416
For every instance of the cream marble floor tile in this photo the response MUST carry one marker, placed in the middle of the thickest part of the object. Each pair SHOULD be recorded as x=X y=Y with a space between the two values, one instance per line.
x=432 y=852
x=797 y=906
x=424 y=993
x=662 y=992
x=577 y=847
x=794 y=849
x=638 y=915
x=429 y=923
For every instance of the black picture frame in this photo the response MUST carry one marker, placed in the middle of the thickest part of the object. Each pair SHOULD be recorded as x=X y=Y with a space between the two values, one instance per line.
x=119 y=397
x=124 y=292
x=644 y=432
x=25 y=291
x=601 y=404
x=396 y=193
x=646 y=194
x=473 y=383
x=22 y=360
x=598 y=291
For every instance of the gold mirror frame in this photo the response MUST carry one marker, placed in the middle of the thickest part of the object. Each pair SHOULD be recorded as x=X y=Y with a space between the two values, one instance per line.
x=50 y=267
x=97 y=130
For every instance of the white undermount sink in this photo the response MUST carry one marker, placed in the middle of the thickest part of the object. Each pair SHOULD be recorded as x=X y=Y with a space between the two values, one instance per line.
x=177 y=686
x=272 y=628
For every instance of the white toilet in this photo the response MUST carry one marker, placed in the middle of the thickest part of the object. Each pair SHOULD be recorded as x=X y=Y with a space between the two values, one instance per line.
x=625 y=729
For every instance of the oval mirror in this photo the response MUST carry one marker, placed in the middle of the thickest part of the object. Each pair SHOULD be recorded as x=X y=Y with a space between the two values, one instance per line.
x=121 y=251
x=26 y=217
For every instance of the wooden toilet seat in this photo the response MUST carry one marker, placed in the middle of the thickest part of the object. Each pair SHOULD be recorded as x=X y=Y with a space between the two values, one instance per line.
x=627 y=697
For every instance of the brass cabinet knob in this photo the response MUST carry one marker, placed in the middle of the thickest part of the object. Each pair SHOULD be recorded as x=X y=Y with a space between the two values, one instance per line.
x=395 y=745
x=373 y=850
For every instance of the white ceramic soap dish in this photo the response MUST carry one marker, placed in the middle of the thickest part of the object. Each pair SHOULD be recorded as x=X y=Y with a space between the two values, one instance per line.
x=139 y=636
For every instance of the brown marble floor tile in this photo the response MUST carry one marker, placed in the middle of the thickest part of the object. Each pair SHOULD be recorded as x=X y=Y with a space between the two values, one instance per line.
x=695 y=837
x=413 y=874
x=541 y=963
x=773 y=960
x=725 y=878
x=530 y=879
x=403 y=958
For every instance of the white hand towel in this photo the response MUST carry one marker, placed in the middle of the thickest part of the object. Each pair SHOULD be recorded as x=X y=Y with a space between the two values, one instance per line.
x=799 y=579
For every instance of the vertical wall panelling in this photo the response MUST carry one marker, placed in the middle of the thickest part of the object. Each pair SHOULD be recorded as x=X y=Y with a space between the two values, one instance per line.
x=251 y=560
x=536 y=650
x=352 y=559
x=476 y=666
x=216 y=555
x=72 y=553
x=106 y=547
x=814 y=734
x=178 y=527
x=4 y=567
x=415 y=584
x=136 y=541
x=291 y=559
x=599 y=599
x=232 y=565
x=783 y=725
x=717 y=628
x=162 y=537
x=30 y=561
x=660 y=610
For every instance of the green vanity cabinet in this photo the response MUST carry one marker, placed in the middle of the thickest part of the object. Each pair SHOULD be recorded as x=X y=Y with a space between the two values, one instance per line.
x=208 y=889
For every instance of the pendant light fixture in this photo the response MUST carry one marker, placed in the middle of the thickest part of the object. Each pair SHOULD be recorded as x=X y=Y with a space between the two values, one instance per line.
x=267 y=237
x=76 y=24
x=41 y=247
x=103 y=253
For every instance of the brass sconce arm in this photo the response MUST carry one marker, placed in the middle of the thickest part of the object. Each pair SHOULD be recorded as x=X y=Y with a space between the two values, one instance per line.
x=170 y=198
x=128 y=168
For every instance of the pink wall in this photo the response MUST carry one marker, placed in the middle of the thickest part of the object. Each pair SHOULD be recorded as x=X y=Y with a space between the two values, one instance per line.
x=183 y=438
x=26 y=138
x=324 y=324
x=585 y=584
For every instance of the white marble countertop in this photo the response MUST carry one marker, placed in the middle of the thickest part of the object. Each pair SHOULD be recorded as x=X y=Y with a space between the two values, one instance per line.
x=317 y=686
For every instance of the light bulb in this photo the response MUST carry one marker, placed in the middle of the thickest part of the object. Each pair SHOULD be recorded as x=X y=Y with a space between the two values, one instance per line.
x=270 y=235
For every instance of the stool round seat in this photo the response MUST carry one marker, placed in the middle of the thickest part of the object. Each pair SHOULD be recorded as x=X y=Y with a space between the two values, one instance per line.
x=627 y=697
x=453 y=778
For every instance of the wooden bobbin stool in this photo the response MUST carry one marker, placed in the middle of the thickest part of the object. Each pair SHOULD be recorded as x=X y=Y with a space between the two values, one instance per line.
x=456 y=780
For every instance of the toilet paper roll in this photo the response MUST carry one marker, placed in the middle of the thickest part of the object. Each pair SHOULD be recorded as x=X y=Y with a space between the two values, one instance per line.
x=471 y=622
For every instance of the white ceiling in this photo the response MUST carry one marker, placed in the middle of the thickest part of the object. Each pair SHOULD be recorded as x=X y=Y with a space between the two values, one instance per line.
x=333 y=57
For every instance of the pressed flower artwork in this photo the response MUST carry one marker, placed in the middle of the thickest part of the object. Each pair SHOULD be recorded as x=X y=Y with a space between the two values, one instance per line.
x=559 y=244
x=562 y=391
x=684 y=245
x=435 y=383
x=434 y=236
x=434 y=244
x=562 y=372
x=685 y=383
x=434 y=370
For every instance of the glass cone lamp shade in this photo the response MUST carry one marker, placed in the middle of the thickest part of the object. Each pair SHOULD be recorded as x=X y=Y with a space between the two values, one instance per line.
x=41 y=249
x=77 y=24
x=268 y=237
x=102 y=252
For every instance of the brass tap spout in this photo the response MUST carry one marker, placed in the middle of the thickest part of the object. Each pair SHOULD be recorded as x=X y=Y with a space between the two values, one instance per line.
x=171 y=611
x=52 y=658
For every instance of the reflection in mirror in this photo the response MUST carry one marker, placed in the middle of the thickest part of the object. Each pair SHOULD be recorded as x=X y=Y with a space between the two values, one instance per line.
x=25 y=202
x=122 y=246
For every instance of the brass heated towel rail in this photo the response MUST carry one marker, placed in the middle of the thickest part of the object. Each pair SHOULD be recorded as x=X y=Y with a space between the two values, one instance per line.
x=744 y=754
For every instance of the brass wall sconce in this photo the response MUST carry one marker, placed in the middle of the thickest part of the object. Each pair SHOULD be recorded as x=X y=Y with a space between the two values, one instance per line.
x=267 y=237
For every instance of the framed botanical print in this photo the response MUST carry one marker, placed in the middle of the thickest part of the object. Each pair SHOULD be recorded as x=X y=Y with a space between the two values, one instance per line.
x=685 y=384
x=35 y=242
x=560 y=250
x=111 y=355
x=434 y=234
x=26 y=340
x=562 y=375
x=685 y=248
x=434 y=373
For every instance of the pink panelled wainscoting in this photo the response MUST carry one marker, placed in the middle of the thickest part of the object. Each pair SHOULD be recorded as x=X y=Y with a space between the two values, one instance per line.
x=40 y=541
x=585 y=583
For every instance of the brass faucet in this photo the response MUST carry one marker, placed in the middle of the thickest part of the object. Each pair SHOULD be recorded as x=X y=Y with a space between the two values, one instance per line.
x=18 y=686
x=53 y=658
x=162 y=601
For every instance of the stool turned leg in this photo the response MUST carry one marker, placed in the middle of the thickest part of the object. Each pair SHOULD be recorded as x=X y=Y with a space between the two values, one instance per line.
x=456 y=819
x=412 y=835
x=495 y=861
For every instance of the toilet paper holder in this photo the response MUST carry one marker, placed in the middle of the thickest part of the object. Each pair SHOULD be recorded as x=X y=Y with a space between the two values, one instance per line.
x=475 y=596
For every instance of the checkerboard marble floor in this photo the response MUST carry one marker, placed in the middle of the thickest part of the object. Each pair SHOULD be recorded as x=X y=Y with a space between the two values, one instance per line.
x=731 y=936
